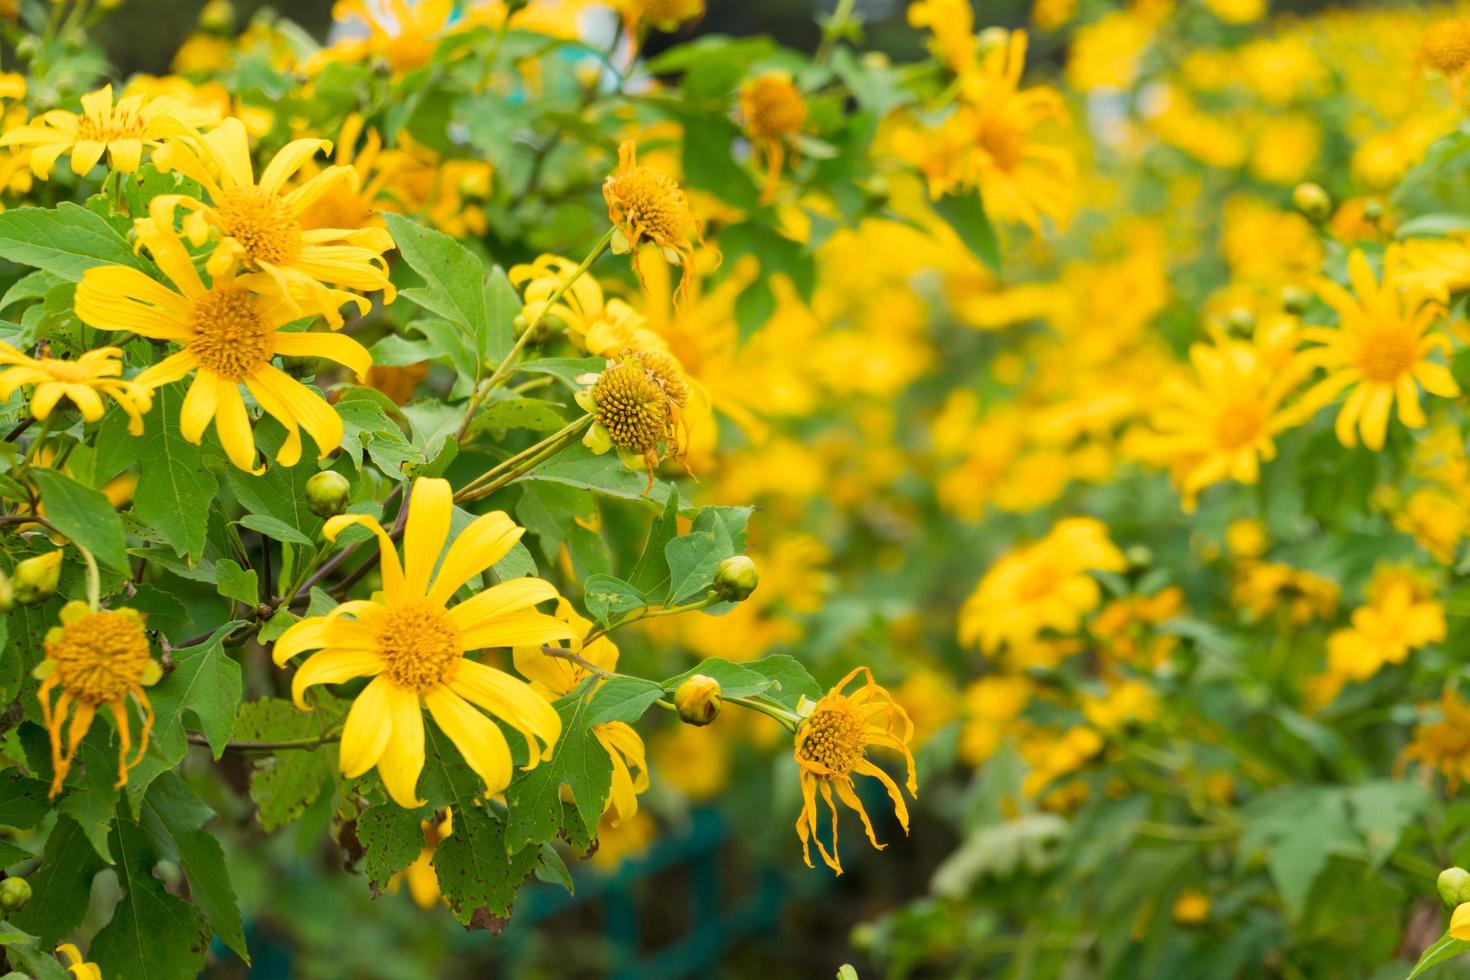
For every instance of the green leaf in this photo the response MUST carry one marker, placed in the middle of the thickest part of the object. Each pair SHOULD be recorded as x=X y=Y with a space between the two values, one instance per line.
x=790 y=681
x=533 y=414
x=650 y=575
x=965 y=213
x=284 y=783
x=534 y=799
x=479 y=874
x=66 y=242
x=736 y=680
x=1381 y=811
x=274 y=529
x=61 y=888
x=623 y=699
x=694 y=557
x=174 y=487
x=577 y=466
x=237 y=583
x=175 y=818
x=1299 y=828
x=153 y=935
x=1447 y=948
x=205 y=682
x=391 y=838
x=565 y=369
x=553 y=870
x=84 y=515
x=23 y=801
x=91 y=797
x=280 y=491
x=606 y=596
x=24 y=950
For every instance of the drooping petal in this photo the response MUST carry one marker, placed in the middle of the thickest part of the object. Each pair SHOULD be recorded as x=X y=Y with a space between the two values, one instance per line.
x=403 y=756
x=333 y=666
x=478 y=738
x=513 y=701
x=367 y=730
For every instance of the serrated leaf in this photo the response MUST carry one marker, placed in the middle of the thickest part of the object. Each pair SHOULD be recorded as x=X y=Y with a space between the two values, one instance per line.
x=606 y=596
x=236 y=583
x=577 y=466
x=479 y=872
x=91 y=796
x=23 y=801
x=206 y=683
x=537 y=813
x=61 y=888
x=650 y=575
x=284 y=783
x=790 y=680
x=565 y=369
x=392 y=838
x=174 y=488
x=153 y=935
x=694 y=557
x=736 y=680
x=84 y=515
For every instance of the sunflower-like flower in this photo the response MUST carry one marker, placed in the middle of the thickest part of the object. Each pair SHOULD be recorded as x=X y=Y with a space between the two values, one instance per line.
x=118 y=130
x=350 y=203
x=647 y=205
x=403 y=35
x=1401 y=616
x=229 y=332
x=77 y=964
x=1445 y=50
x=598 y=324
x=413 y=644
x=832 y=741
x=1445 y=744
x=258 y=224
x=773 y=111
x=638 y=402
x=97 y=658
x=554 y=677
x=83 y=382
x=1219 y=420
x=1380 y=350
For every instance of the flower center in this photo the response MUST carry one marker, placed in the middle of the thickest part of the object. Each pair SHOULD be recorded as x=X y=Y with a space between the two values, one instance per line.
x=420 y=647
x=109 y=126
x=1446 y=46
x=833 y=736
x=1003 y=140
x=229 y=338
x=632 y=407
x=262 y=224
x=774 y=107
x=1386 y=353
x=651 y=202
x=1239 y=425
x=100 y=657
x=1039 y=580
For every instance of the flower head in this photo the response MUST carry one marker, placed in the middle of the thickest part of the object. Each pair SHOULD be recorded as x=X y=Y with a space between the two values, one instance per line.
x=647 y=205
x=1445 y=744
x=638 y=403
x=413 y=643
x=229 y=333
x=666 y=15
x=1380 y=352
x=1445 y=47
x=83 y=382
x=1400 y=616
x=594 y=322
x=831 y=746
x=773 y=111
x=257 y=225
x=118 y=130
x=97 y=658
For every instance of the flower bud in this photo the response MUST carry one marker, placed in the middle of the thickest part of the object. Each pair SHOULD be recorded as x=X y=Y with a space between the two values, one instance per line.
x=35 y=579
x=1373 y=211
x=1239 y=322
x=736 y=578
x=327 y=493
x=1312 y=201
x=1454 y=886
x=218 y=16
x=1294 y=300
x=698 y=700
x=15 y=894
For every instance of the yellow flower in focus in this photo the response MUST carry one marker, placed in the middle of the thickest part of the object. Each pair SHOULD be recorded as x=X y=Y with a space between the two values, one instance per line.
x=773 y=112
x=120 y=131
x=1192 y=907
x=1460 y=922
x=1400 y=616
x=831 y=745
x=1445 y=745
x=229 y=333
x=83 y=382
x=422 y=879
x=77 y=964
x=638 y=402
x=647 y=205
x=1380 y=350
x=258 y=224
x=413 y=644
x=555 y=677
x=1042 y=586
x=97 y=658
x=601 y=326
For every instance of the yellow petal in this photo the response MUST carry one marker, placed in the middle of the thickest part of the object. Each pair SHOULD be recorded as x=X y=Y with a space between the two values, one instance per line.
x=333 y=666
x=477 y=737
x=430 y=510
x=482 y=544
x=367 y=730
x=403 y=756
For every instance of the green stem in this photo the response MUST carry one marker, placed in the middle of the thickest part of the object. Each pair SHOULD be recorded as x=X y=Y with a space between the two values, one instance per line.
x=788 y=720
x=521 y=463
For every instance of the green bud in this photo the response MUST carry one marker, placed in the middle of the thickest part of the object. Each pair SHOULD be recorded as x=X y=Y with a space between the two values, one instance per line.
x=327 y=493
x=992 y=38
x=35 y=579
x=1139 y=556
x=15 y=894
x=698 y=700
x=736 y=578
x=1373 y=211
x=218 y=16
x=1312 y=201
x=1240 y=322
x=1454 y=886
x=1294 y=300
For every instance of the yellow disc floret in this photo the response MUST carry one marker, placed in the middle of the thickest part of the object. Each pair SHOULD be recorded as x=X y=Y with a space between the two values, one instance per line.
x=419 y=646
x=229 y=337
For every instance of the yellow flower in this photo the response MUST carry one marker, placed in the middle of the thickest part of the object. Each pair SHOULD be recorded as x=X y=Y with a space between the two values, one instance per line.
x=1437 y=520
x=1380 y=349
x=96 y=658
x=258 y=224
x=666 y=15
x=1400 y=616
x=1460 y=922
x=1053 y=756
x=638 y=402
x=413 y=645
x=78 y=966
x=1438 y=265
x=83 y=382
x=1237 y=11
x=1192 y=907
x=402 y=34
x=1445 y=745
x=1042 y=586
x=350 y=203
x=422 y=879
x=1218 y=422
x=120 y=131
x=831 y=746
x=599 y=325
x=1263 y=587
x=773 y=111
x=647 y=205
x=993 y=704
x=1246 y=537
x=554 y=677
x=953 y=25
x=1445 y=49
x=1129 y=702
x=229 y=333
